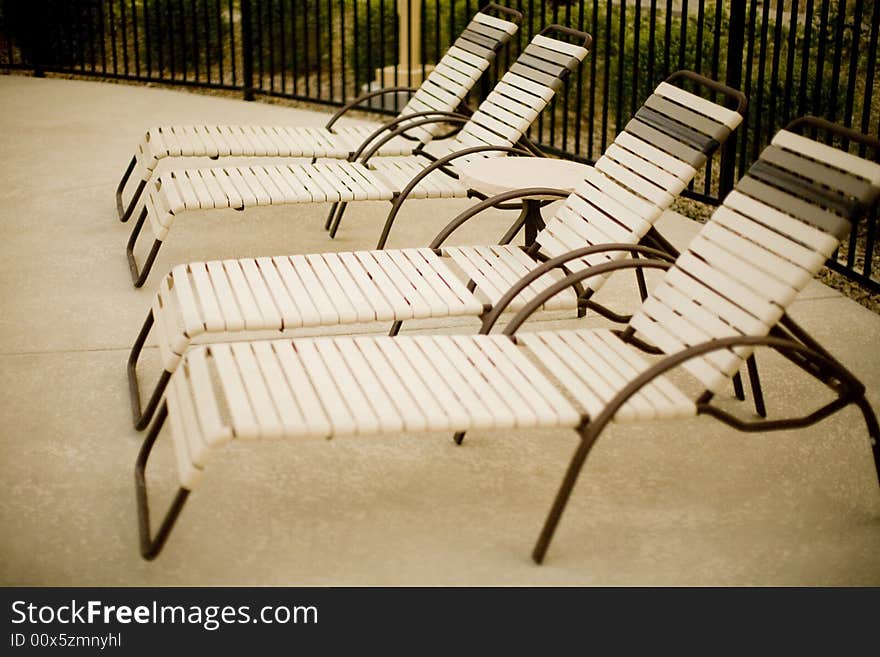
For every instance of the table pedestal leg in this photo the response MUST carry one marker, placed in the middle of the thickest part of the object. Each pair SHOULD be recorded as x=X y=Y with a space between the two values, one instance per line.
x=534 y=222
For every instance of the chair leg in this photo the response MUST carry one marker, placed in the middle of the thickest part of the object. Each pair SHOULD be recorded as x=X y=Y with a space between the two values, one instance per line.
x=330 y=214
x=395 y=328
x=738 y=391
x=755 y=383
x=138 y=277
x=334 y=227
x=152 y=546
x=873 y=431
x=459 y=437
x=643 y=286
x=141 y=416
x=125 y=212
x=588 y=436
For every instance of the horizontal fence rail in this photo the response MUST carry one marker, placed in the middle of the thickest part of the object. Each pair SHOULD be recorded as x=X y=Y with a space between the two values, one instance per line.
x=790 y=57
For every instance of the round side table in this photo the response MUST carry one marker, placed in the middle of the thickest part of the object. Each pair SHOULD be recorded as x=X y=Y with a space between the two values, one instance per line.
x=496 y=175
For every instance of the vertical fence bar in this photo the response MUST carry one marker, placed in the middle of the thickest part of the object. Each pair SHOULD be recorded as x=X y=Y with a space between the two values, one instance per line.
x=621 y=66
x=270 y=30
x=124 y=37
x=733 y=79
x=871 y=72
x=682 y=39
x=774 y=68
x=747 y=88
x=247 y=50
x=579 y=93
x=789 y=63
x=758 y=97
x=101 y=30
x=257 y=43
x=836 y=60
x=637 y=52
x=853 y=63
x=820 y=58
x=805 y=59
x=113 y=37
x=36 y=38
x=701 y=16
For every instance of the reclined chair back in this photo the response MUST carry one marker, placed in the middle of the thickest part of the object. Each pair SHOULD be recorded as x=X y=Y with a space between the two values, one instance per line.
x=649 y=163
x=458 y=70
x=773 y=233
x=524 y=90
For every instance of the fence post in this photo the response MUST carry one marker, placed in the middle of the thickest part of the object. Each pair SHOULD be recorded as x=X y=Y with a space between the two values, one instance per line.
x=735 y=45
x=485 y=86
x=36 y=27
x=247 y=50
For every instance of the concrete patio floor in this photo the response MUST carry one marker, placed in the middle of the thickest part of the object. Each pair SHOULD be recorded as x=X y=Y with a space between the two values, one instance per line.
x=677 y=503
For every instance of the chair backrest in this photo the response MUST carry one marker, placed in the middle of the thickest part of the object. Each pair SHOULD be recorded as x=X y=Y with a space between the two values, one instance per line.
x=768 y=239
x=523 y=92
x=459 y=69
x=655 y=157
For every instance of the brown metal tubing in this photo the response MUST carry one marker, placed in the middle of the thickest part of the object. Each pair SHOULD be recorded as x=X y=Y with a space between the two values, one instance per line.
x=138 y=277
x=810 y=121
x=755 y=383
x=569 y=31
x=364 y=97
x=400 y=125
x=592 y=431
x=124 y=213
x=141 y=417
x=516 y=16
x=491 y=202
x=571 y=279
x=714 y=85
x=437 y=164
x=152 y=546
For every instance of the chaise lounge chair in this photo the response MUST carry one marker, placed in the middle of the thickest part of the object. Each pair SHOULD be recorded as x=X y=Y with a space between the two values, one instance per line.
x=443 y=91
x=500 y=122
x=646 y=166
x=723 y=297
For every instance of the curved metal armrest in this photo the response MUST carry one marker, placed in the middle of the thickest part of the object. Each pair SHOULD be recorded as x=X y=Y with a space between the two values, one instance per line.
x=360 y=99
x=662 y=261
x=672 y=361
x=715 y=85
x=516 y=16
x=818 y=123
x=585 y=37
x=491 y=202
x=399 y=126
x=440 y=162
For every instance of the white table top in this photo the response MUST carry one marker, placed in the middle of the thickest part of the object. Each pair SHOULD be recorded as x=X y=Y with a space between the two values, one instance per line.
x=495 y=175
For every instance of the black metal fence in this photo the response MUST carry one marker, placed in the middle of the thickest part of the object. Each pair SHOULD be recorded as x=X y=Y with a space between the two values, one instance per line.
x=791 y=57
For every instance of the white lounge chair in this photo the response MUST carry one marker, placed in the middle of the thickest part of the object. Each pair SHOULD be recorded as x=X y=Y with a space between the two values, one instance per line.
x=638 y=177
x=500 y=122
x=724 y=296
x=443 y=91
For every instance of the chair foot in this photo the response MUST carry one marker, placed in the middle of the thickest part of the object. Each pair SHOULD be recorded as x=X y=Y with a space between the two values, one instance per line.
x=755 y=383
x=329 y=220
x=139 y=276
x=122 y=212
x=395 y=328
x=337 y=219
x=142 y=416
x=738 y=391
x=459 y=437
x=151 y=546
x=588 y=435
